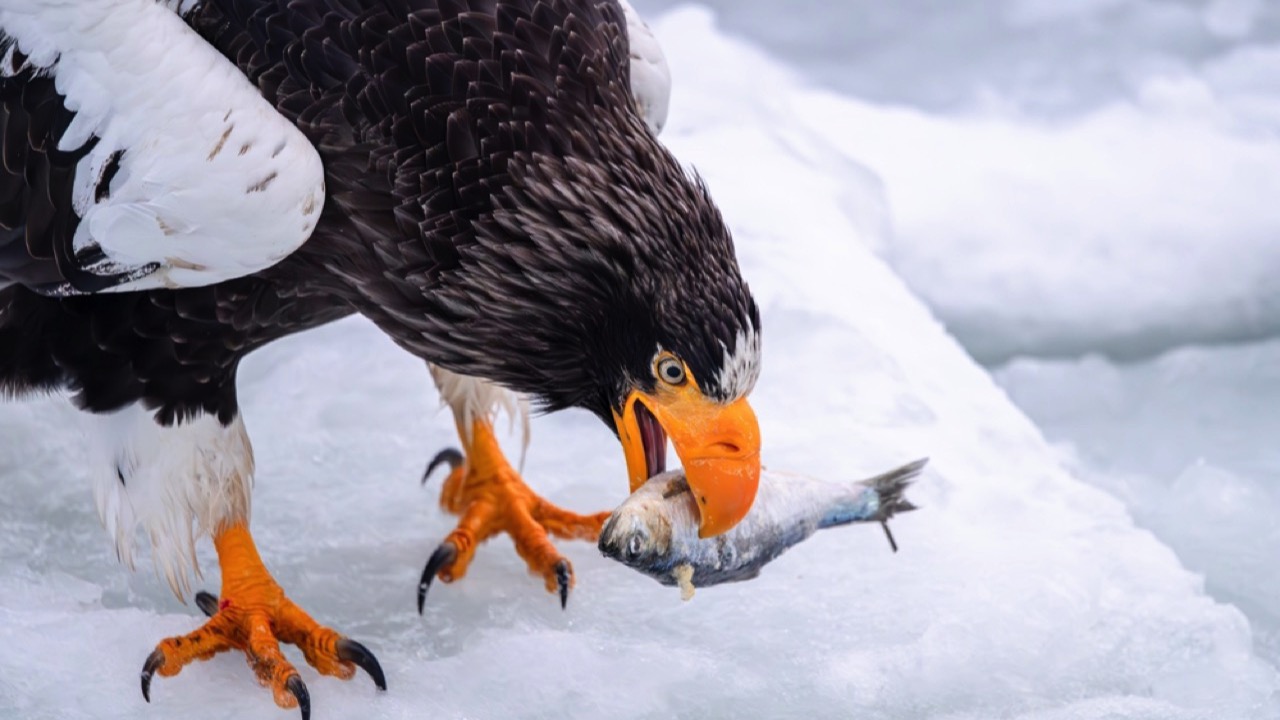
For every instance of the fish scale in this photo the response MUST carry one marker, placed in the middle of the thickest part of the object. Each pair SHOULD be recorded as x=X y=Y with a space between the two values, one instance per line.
x=656 y=530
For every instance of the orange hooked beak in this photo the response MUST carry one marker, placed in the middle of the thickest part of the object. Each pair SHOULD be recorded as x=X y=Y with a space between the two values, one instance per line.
x=718 y=444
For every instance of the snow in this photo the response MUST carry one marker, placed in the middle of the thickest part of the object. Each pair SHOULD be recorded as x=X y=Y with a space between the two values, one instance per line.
x=1020 y=591
x=1044 y=57
x=1133 y=228
x=1187 y=440
x=1062 y=177
x=1090 y=181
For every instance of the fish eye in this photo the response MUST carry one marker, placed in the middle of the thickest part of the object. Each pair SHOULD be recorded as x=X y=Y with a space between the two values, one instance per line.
x=635 y=546
x=670 y=370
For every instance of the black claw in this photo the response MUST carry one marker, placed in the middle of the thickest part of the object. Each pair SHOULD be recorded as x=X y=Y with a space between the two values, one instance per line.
x=299 y=689
x=353 y=652
x=445 y=554
x=447 y=455
x=892 y=545
x=563 y=573
x=207 y=602
x=154 y=661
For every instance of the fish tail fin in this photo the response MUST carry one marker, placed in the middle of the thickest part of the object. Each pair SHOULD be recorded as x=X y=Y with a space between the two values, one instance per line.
x=890 y=486
x=876 y=499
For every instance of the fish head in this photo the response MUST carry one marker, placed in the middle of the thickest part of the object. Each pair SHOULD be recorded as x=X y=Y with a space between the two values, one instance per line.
x=639 y=533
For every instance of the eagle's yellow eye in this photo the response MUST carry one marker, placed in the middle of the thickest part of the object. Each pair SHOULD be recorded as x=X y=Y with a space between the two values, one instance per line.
x=671 y=370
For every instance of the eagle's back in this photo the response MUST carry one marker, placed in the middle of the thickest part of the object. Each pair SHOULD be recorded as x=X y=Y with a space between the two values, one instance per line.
x=417 y=109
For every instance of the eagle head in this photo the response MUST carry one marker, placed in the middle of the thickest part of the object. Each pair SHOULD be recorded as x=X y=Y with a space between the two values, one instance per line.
x=569 y=256
x=628 y=301
x=611 y=284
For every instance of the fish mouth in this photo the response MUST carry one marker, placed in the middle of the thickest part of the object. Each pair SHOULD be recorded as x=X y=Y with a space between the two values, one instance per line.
x=613 y=539
x=636 y=540
x=606 y=542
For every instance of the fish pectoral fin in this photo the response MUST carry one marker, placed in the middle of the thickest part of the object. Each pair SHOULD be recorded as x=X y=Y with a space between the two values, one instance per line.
x=893 y=544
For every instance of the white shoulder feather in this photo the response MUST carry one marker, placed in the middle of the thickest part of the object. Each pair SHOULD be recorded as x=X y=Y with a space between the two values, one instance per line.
x=212 y=183
x=650 y=75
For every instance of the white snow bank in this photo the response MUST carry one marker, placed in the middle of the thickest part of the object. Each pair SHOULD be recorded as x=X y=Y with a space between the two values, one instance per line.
x=1044 y=57
x=1188 y=441
x=1019 y=592
x=1131 y=229
x=1064 y=177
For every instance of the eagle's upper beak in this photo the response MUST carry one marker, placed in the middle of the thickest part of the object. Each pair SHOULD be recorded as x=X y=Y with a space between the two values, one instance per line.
x=718 y=444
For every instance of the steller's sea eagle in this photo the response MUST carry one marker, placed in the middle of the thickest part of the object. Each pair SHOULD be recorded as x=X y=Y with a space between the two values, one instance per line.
x=183 y=181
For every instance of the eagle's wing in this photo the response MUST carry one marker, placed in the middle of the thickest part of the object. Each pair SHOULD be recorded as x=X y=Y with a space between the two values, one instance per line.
x=650 y=75
x=135 y=156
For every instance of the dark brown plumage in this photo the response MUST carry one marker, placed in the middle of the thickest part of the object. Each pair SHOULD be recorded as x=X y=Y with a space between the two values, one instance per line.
x=494 y=204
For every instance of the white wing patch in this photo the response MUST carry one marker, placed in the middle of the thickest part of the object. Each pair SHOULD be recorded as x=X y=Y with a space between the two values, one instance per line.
x=650 y=75
x=175 y=483
x=211 y=184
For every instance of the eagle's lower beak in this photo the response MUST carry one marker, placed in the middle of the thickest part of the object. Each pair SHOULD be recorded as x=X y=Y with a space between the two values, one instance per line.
x=719 y=446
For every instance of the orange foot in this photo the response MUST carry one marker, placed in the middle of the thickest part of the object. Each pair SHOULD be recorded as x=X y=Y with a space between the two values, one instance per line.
x=254 y=616
x=491 y=498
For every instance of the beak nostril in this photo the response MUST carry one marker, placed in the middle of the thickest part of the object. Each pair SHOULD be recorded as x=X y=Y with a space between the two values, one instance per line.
x=727 y=448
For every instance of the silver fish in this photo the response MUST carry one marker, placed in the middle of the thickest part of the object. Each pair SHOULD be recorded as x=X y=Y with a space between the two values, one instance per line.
x=656 y=530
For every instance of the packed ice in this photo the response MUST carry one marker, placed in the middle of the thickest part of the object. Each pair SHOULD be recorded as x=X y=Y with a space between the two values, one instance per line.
x=1063 y=177
x=1020 y=590
x=1083 y=193
x=1187 y=441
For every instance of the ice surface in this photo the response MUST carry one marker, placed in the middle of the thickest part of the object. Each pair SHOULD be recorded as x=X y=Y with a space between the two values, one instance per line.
x=1089 y=177
x=1188 y=441
x=1132 y=229
x=1019 y=591
x=1044 y=57
x=1064 y=177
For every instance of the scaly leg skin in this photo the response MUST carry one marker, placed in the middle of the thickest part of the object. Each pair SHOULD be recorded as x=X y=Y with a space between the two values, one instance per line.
x=254 y=616
x=491 y=498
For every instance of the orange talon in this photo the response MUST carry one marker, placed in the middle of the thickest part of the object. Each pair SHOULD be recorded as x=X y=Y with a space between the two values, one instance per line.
x=491 y=498
x=254 y=616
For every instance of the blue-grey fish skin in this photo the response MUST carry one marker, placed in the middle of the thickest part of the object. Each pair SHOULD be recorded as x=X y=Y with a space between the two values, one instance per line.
x=656 y=530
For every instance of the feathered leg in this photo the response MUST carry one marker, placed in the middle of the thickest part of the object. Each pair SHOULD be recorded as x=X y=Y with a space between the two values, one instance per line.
x=193 y=476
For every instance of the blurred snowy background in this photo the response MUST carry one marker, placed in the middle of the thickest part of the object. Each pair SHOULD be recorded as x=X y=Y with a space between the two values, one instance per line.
x=1061 y=177
x=1081 y=192
x=1087 y=194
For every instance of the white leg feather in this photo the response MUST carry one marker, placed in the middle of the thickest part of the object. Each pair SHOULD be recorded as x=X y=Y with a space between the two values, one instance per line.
x=471 y=398
x=176 y=483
